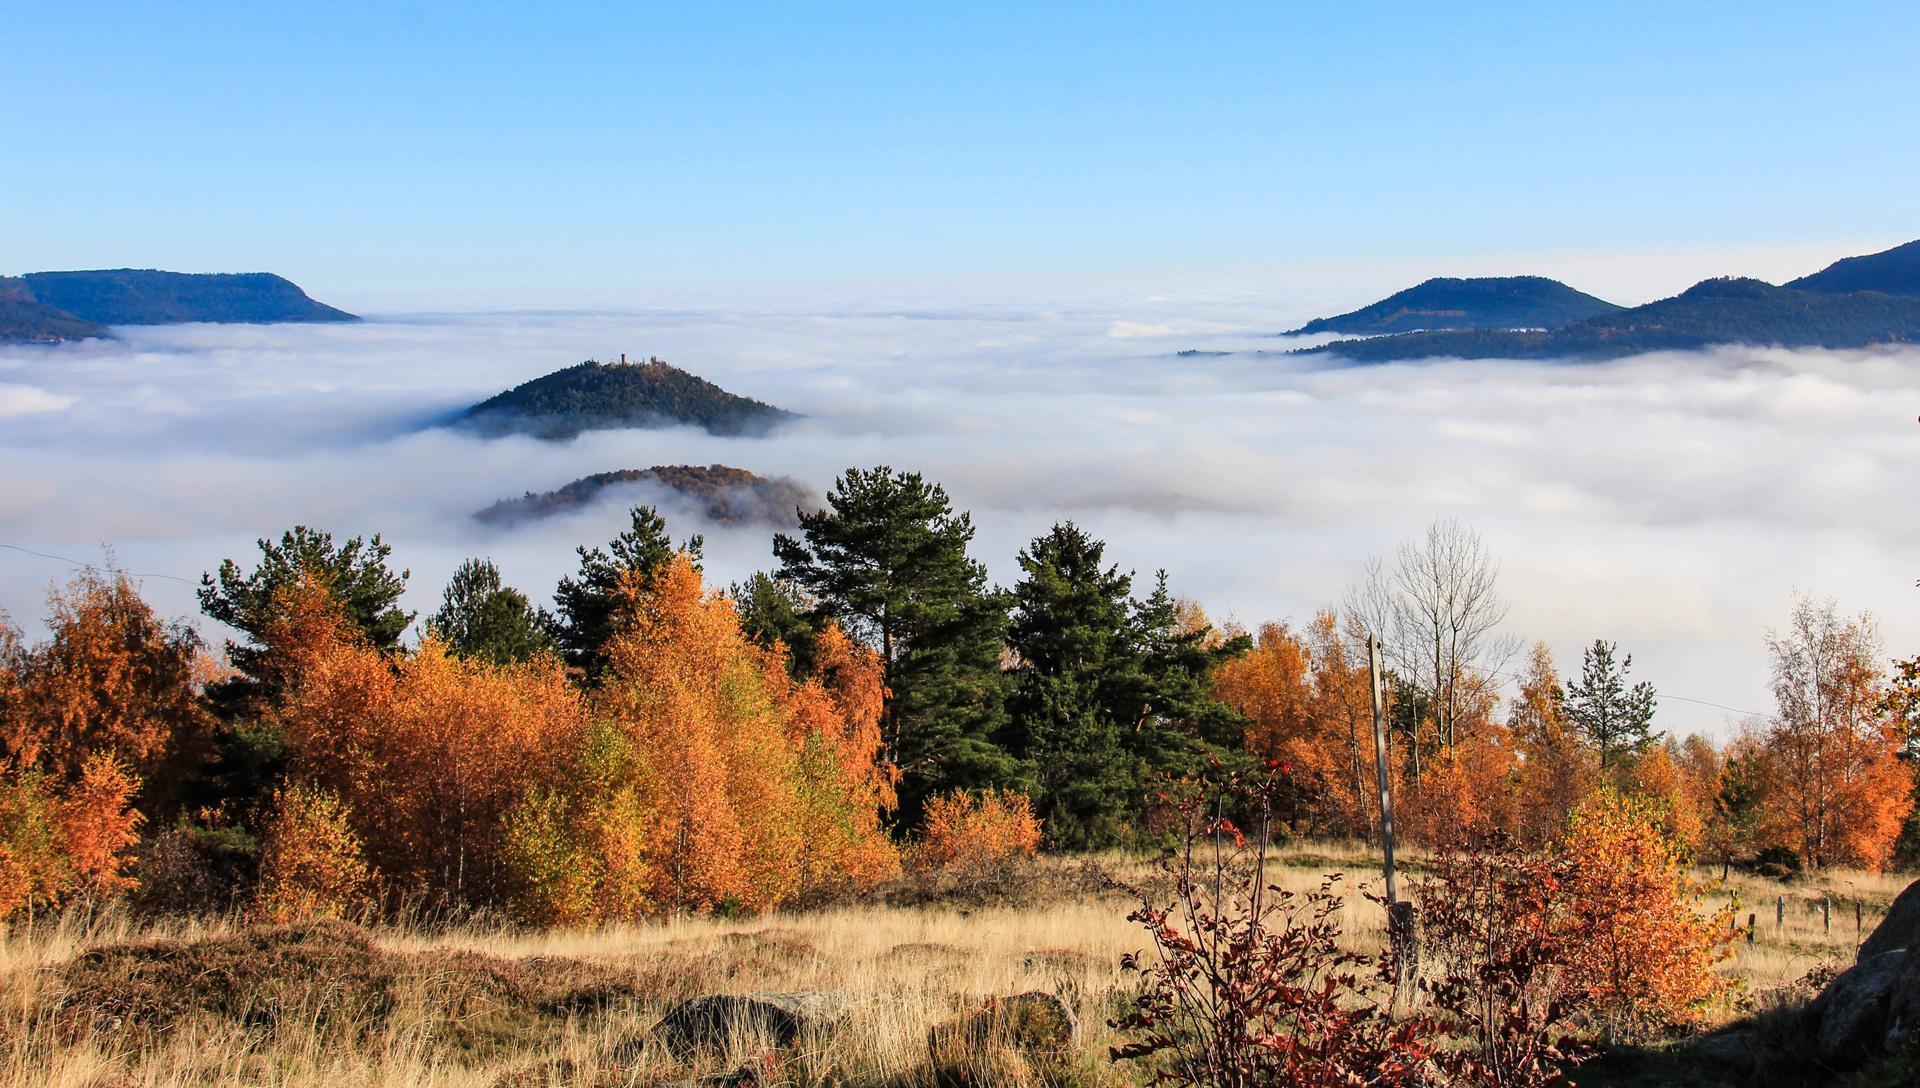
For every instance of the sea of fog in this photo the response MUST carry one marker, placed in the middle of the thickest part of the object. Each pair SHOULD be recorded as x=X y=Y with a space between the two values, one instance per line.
x=1670 y=502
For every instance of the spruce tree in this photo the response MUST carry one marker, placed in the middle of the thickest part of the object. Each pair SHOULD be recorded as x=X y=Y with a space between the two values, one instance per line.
x=1111 y=695
x=1079 y=685
x=887 y=558
x=482 y=619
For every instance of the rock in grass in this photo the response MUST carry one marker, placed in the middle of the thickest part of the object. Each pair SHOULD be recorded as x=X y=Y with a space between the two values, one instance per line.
x=1851 y=1014
x=1037 y=1024
x=1899 y=929
x=712 y=1021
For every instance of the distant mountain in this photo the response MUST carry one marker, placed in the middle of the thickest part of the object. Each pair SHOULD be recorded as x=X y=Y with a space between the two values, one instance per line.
x=132 y=296
x=1503 y=302
x=49 y=307
x=727 y=496
x=1712 y=312
x=1894 y=272
x=598 y=396
x=24 y=321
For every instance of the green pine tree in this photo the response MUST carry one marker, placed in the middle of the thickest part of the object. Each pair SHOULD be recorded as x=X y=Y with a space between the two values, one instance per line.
x=887 y=558
x=355 y=573
x=776 y=611
x=1111 y=695
x=482 y=619
x=1616 y=719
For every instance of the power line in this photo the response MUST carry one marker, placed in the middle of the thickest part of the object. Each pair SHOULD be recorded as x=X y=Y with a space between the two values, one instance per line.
x=78 y=565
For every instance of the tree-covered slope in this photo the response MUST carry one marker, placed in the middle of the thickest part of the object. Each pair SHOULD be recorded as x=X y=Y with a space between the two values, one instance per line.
x=597 y=396
x=24 y=321
x=725 y=495
x=1894 y=271
x=134 y=296
x=1713 y=312
x=1503 y=302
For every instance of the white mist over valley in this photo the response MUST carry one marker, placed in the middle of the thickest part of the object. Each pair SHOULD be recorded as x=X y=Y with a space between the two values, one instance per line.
x=1671 y=502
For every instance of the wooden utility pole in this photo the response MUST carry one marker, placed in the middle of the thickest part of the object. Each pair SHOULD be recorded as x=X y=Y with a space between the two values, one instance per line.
x=1400 y=922
x=1380 y=763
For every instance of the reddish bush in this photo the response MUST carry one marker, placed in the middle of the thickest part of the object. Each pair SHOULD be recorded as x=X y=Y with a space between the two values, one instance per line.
x=1247 y=983
x=1499 y=977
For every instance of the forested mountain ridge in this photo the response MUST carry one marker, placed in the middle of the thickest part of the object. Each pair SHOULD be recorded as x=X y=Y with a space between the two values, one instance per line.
x=599 y=396
x=1893 y=271
x=726 y=495
x=133 y=296
x=1712 y=312
x=1502 y=302
x=24 y=321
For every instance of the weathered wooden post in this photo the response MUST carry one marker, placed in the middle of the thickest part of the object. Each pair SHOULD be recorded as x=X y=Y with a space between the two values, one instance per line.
x=1857 y=938
x=1780 y=916
x=1402 y=934
x=1826 y=915
x=1753 y=923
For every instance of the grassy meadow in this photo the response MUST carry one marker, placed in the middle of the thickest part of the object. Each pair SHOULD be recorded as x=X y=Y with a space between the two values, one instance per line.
x=477 y=1005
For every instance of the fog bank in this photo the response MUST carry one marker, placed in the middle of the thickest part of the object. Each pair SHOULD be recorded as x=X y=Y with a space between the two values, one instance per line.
x=1670 y=502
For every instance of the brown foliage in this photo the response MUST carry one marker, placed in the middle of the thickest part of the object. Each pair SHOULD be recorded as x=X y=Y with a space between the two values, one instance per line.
x=1639 y=945
x=111 y=678
x=1492 y=915
x=427 y=752
x=333 y=977
x=1835 y=788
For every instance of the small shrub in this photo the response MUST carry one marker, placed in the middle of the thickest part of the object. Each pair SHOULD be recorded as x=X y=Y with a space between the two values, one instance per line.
x=1634 y=932
x=978 y=832
x=1247 y=983
x=1490 y=916
x=311 y=864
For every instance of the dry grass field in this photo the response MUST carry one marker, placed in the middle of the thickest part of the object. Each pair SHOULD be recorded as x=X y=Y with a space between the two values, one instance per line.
x=95 y=1001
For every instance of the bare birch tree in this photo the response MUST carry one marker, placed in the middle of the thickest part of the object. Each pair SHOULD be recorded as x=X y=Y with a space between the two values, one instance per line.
x=1437 y=610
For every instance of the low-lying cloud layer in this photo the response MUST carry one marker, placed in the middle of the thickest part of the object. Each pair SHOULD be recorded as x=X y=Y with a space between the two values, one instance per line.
x=1671 y=502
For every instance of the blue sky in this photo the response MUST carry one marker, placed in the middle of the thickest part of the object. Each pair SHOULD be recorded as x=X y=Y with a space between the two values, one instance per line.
x=491 y=149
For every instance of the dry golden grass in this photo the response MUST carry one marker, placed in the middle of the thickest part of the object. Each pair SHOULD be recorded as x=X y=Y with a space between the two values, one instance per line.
x=906 y=968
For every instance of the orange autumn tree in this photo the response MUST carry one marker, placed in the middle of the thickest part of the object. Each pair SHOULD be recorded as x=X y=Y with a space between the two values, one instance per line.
x=1467 y=786
x=712 y=777
x=1662 y=776
x=1308 y=704
x=427 y=752
x=845 y=786
x=61 y=840
x=1272 y=687
x=1554 y=769
x=1835 y=789
x=113 y=677
x=311 y=863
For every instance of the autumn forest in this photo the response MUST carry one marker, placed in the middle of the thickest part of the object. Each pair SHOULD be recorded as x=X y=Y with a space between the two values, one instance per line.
x=871 y=722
